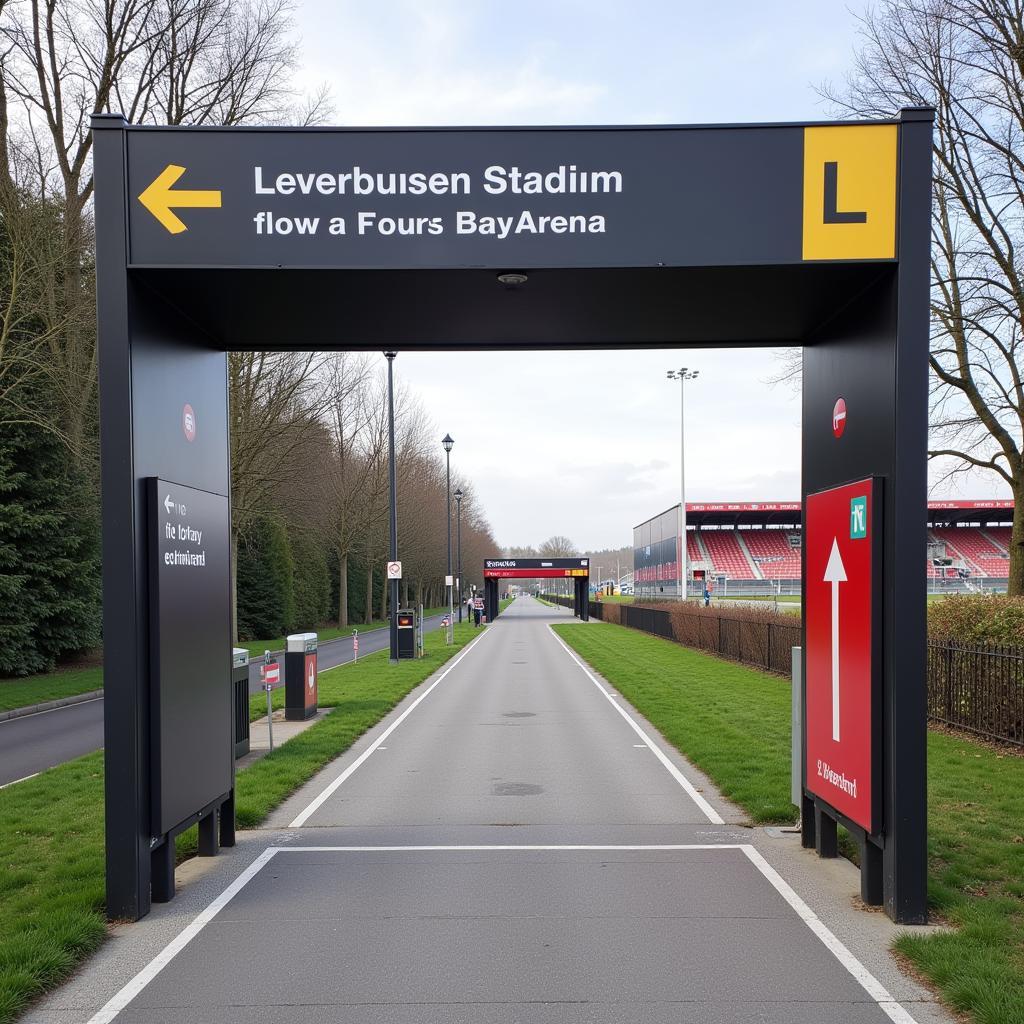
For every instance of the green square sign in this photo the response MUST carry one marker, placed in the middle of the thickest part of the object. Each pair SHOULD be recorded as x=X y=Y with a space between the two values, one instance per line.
x=858 y=518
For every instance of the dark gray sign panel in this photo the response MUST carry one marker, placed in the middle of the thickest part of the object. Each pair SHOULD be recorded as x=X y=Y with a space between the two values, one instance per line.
x=629 y=197
x=190 y=650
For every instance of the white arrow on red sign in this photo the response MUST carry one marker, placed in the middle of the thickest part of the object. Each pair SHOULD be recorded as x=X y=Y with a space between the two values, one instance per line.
x=835 y=573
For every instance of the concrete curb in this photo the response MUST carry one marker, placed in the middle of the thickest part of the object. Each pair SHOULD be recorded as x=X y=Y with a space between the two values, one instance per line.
x=49 y=705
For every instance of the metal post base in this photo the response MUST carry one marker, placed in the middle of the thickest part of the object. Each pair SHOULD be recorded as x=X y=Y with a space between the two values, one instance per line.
x=162 y=872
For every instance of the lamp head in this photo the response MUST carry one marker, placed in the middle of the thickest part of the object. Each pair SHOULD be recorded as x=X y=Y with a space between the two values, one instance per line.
x=447 y=442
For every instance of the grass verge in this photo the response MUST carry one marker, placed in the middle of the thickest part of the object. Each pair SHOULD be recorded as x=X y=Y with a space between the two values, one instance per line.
x=51 y=827
x=733 y=722
x=19 y=693
x=324 y=634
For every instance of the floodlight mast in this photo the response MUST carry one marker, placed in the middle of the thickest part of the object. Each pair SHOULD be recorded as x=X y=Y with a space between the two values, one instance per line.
x=682 y=375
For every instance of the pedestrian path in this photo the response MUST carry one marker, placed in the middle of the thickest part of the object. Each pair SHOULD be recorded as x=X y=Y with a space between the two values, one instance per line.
x=513 y=844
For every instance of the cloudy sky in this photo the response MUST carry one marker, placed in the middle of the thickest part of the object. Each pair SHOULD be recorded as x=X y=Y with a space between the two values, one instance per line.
x=478 y=62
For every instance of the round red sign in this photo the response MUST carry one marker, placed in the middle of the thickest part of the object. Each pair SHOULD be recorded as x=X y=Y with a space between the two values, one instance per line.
x=839 y=417
x=188 y=422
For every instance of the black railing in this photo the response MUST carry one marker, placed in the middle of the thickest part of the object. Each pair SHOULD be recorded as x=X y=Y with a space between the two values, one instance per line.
x=977 y=687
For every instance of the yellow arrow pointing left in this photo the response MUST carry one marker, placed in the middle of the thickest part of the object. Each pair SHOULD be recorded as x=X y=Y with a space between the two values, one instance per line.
x=159 y=199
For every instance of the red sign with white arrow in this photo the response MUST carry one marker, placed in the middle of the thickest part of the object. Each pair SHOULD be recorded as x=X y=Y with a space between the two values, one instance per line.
x=841 y=673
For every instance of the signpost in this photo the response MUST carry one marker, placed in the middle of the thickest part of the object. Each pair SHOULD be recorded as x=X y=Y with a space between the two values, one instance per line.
x=218 y=239
x=271 y=672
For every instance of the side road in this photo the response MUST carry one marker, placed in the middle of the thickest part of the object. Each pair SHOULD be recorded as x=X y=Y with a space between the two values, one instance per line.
x=40 y=737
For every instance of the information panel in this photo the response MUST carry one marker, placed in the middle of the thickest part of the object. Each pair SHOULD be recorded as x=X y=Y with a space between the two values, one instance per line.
x=842 y=671
x=190 y=651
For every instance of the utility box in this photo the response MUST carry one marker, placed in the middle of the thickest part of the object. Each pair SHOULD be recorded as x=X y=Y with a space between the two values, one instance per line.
x=240 y=698
x=406 y=633
x=300 y=678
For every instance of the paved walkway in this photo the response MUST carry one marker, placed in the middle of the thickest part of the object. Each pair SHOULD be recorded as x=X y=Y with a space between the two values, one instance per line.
x=513 y=844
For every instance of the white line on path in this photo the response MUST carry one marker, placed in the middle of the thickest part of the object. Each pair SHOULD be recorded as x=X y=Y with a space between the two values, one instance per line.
x=24 y=778
x=325 y=795
x=709 y=812
x=874 y=988
x=119 y=1001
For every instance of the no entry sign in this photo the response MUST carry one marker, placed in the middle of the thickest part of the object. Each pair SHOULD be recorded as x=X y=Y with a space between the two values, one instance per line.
x=842 y=671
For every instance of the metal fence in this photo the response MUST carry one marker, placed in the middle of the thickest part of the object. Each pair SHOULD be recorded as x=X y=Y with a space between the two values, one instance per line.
x=751 y=641
x=975 y=687
x=979 y=688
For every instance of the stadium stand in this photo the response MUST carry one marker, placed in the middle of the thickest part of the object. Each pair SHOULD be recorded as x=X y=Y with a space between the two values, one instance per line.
x=757 y=545
x=726 y=554
x=775 y=552
x=980 y=555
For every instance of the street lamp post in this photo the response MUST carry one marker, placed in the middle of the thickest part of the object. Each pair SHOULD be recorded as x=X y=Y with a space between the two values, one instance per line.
x=458 y=545
x=447 y=443
x=682 y=375
x=392 y=513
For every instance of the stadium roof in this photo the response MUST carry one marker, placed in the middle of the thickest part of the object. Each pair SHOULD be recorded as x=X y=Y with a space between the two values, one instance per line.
x=787 y=513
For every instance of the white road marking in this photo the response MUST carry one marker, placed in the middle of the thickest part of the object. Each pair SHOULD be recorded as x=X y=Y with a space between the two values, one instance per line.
x=325 y=795
x=640 y=746
x=874 y=988
x=709 y=812
x=24 y=778
x=541 y=847
x=122 y=998
x=49 y=711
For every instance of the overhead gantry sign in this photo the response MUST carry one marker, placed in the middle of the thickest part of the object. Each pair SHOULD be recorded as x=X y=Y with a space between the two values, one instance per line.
x=577 y=569
x=217 y=239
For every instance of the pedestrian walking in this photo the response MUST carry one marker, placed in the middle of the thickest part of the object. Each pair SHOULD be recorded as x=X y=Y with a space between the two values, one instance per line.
x=478 y=610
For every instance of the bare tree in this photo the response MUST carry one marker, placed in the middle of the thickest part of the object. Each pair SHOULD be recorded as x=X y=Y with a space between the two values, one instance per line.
x=558 y=547
x=353 y=466
x=276 y=401
x=965 y=58
x=165 y=61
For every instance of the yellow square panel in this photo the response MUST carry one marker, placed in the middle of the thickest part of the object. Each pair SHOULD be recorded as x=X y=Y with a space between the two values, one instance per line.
x=850 y=192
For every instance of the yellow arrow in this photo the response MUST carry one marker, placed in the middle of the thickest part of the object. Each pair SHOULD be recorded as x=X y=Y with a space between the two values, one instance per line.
x=159 y=199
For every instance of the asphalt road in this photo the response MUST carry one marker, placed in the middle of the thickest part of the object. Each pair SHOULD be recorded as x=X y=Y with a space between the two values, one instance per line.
x=511 y=846
x=36 y=742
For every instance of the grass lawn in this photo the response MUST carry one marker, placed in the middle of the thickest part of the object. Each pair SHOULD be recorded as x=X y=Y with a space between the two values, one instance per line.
x=51 y=827
x=781 y=598
x=733 y=722
x=17 y=693
x=618 y=598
